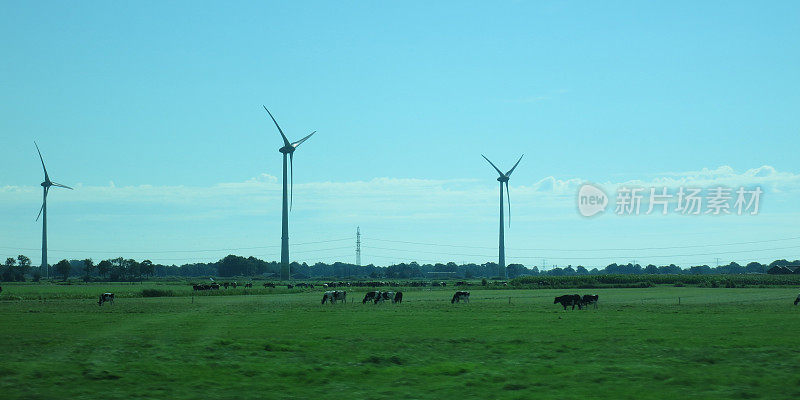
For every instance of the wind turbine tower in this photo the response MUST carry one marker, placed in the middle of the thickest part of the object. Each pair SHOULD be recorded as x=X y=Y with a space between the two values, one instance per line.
x=288 y=148
x=503 y=179
x=43 y=211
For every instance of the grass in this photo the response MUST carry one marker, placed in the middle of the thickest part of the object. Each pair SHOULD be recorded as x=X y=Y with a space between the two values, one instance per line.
x=639 y=344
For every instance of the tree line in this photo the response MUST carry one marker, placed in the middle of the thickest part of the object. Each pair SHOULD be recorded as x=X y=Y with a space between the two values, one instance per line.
x=122 y=269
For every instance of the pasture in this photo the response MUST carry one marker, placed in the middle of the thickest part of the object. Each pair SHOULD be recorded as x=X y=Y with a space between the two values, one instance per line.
x=272 y=343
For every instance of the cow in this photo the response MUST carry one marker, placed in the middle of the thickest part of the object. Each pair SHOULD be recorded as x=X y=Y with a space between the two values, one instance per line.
x=248 y=285
x=334 y=295
x=460 y=296
x=106 y=297
x=269 y=284
x=398 y=297
x=384 y=296
x=370 y=296
x=589 y=299
x=797 y=300
x=569 y=300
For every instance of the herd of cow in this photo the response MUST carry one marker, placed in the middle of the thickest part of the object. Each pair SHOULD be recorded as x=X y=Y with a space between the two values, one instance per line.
x=378 y=296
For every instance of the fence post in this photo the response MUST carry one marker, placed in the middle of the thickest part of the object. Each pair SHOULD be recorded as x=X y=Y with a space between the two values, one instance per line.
x=679 y=301
x=509 y=300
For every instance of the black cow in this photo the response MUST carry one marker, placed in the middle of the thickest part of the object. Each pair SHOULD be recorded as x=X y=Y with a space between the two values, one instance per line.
x=460 y=296
x=269 y=284
x=333 y=295
x=248 y=285
x=590 y=299
x=370 y=296
x=398 y=297
x=569 y=300
x=797 y=300
x=106 y=297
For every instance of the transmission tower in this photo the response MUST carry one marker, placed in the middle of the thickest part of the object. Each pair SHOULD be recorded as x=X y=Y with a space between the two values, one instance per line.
x=358 y=246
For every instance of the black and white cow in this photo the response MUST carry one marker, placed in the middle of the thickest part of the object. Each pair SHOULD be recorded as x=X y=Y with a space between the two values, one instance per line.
x=569 y=300
x=459 y=297
x=382 y=296
x=334 y=295
x=797 y=300
x=106 y=297
x=590 y=299
x=398 y=297
x=370 y=296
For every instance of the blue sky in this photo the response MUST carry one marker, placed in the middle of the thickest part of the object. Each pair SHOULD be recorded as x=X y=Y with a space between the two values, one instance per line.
x=153 y=112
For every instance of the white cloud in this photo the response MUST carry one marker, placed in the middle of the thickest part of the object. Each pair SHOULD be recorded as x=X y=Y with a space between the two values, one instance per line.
x=387 y=198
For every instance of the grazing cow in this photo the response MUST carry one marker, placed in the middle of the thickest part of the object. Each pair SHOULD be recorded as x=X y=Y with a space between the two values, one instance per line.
x=290 y=286
x=248 y=285
x=460 y=296
x=370 y=296
x=569 y=300
x=334 y=295
x=384 y=296
x=797 y=300
x=398 y=297
x=269 y=284
x=106 y=297
x=590 y=299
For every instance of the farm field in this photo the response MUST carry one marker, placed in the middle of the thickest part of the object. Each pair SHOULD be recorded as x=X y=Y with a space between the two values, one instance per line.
x=639 y=343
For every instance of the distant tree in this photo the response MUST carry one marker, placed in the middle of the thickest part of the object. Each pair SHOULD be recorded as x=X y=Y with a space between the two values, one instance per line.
x=147 y=268
x=700 y=270
x=7 y=274
x=23 y=261
x=650 y=269
x=104 y=267
x=88 y=267
x=581 y=270
x=670 y=269
x=63 y=268
x=515 y=270
x=755 y=268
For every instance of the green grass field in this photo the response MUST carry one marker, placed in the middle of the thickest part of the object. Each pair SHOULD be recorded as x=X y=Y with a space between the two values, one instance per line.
x=639 y=343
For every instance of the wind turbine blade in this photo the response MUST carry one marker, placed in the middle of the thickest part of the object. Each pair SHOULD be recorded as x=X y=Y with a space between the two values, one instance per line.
x=63 y=186
x=42 y=160
x=40 y=212
x=515 y=165
x=291 y=180
x=285 y=140
x=297 y=143
x=508 y=196
x=495 y=167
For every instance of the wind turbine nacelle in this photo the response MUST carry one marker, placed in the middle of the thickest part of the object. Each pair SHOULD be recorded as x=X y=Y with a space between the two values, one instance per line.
x=46 y=184
x=286 y=149
x=502 y=179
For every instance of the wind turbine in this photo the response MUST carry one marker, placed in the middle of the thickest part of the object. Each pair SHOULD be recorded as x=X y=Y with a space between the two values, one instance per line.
x=43 y=211
x=503 y=179
x=288 y=148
